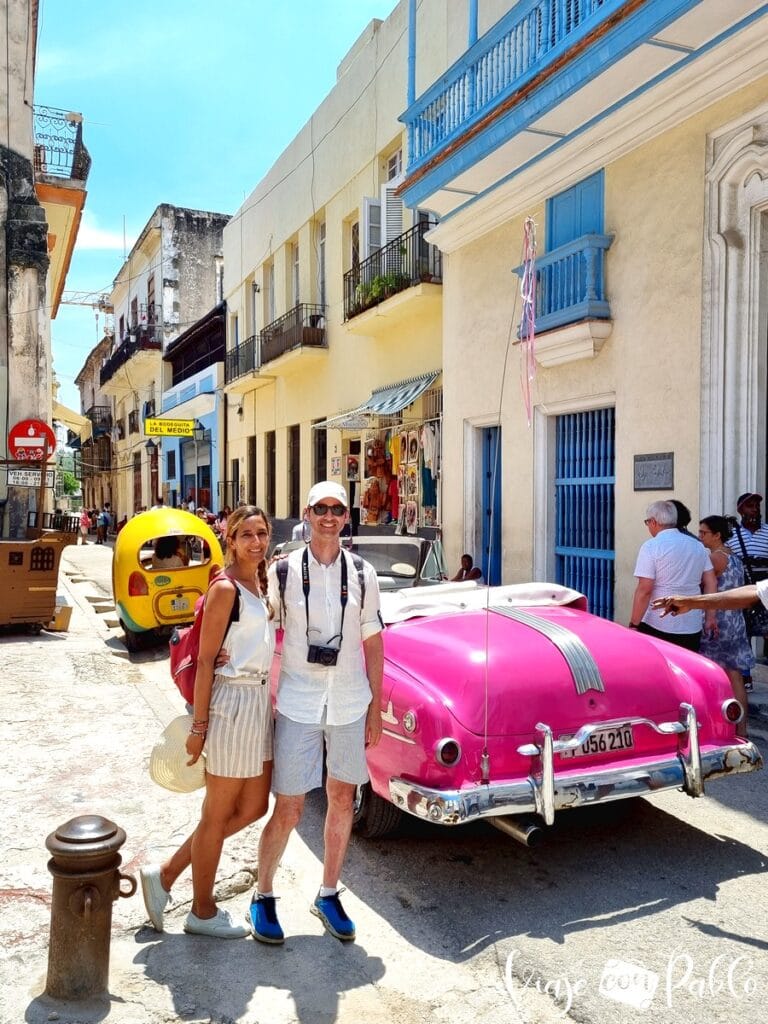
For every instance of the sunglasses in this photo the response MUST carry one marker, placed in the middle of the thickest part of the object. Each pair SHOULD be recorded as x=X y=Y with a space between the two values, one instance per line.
x=322 y=509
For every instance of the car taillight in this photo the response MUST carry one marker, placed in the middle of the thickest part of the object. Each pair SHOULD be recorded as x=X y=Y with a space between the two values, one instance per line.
x=137 y=585
x=447 y=752
x=213 y=572
x=732 y=711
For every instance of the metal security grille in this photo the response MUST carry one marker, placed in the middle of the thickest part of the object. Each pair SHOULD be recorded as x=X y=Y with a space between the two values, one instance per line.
x=584 y=517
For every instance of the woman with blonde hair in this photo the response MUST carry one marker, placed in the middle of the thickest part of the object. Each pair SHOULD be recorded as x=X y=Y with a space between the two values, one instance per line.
x=232 y=725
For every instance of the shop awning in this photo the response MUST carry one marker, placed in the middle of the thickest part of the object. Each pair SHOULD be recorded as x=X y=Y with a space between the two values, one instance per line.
x=74 y=421
x=386 y=401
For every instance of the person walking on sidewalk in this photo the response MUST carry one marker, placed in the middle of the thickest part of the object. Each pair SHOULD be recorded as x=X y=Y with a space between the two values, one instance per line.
x=328 y=696
x=85 y=525
x=232 y=723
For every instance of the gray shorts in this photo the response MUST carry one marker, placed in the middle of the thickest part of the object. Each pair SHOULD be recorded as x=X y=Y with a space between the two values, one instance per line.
x=298 y=765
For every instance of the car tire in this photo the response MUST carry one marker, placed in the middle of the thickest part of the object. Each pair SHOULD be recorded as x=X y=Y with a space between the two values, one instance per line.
x=374 y=816
x=132 y=640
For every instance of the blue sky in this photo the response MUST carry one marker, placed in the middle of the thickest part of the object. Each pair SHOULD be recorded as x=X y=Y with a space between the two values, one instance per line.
x=187 y=103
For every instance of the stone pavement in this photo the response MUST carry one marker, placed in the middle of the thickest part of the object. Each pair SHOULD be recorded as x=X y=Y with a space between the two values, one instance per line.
x=79 y=720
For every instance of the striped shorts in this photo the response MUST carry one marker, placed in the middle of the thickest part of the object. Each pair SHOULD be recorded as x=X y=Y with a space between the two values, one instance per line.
x=240 y=728
x=298 y=764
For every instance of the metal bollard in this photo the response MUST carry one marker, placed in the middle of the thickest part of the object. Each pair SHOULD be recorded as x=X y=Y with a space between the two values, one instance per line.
x=86 y=881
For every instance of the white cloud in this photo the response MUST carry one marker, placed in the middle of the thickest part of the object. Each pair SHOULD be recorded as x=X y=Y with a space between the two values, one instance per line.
x=91 y=236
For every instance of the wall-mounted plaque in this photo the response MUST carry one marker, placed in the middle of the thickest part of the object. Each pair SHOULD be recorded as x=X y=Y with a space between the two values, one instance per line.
x=655 y=472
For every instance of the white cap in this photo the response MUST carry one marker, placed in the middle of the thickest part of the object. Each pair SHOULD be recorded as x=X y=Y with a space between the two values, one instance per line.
x=327 y=490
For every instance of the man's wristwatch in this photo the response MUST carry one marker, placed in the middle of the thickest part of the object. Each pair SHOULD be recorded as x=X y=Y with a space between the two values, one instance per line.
x=633 y=625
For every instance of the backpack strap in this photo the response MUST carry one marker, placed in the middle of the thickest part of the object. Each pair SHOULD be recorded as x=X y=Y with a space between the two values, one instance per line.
x=282 y=575
x=281 y=568
x=234 y=613
x=360 y=566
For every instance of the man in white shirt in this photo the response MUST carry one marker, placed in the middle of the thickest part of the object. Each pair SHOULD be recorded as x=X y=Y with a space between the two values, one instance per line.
x=671 y=562
x=328 y=698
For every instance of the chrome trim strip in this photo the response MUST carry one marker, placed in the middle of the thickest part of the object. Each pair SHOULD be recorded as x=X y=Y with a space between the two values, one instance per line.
x=572 y=789
x=398 y=736
x=586 y=674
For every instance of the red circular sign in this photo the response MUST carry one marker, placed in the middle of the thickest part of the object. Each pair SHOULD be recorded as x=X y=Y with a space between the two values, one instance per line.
x=29 y=439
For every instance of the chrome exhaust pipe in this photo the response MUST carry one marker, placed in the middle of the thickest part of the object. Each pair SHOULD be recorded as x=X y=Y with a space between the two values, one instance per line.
x=525 y=830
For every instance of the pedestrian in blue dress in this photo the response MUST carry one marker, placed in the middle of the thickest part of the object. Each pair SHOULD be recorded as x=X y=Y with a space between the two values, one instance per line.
x=729 y=644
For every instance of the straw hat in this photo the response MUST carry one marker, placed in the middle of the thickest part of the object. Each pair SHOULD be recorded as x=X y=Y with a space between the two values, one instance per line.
x=168 y=761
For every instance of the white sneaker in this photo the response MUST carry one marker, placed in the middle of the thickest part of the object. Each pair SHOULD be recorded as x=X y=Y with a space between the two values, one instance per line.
x=221 y=926
x=155 y=896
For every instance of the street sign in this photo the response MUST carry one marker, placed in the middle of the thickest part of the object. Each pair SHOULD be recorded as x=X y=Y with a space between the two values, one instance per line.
x=28 y=438
x=169 y=428
x=29 y=477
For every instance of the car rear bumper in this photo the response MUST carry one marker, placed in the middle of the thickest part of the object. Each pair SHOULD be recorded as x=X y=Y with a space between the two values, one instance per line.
x=544 y=792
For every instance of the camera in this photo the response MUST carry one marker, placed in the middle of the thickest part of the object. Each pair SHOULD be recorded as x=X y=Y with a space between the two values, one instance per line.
x=319 y=655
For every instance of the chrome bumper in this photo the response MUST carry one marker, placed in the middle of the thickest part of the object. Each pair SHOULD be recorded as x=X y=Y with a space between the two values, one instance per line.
x=543 y=792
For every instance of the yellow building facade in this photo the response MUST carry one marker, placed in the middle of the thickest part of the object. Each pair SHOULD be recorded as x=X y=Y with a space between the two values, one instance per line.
x=334 y=299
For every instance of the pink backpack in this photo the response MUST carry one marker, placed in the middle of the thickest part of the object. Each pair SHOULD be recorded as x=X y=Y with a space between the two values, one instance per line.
x=184 y=646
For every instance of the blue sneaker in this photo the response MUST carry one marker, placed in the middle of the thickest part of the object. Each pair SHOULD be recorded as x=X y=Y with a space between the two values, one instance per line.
x=331 y=913
x=262 y=918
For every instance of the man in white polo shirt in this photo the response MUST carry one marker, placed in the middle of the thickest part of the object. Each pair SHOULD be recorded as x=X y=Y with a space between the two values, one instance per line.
x=671 y=562
x=328 y=699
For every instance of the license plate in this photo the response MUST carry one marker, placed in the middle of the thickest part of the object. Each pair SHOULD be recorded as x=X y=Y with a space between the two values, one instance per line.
x=604 y=741
x=180 y=604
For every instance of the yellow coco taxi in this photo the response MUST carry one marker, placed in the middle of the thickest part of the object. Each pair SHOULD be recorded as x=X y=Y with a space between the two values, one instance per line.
x=164 y=560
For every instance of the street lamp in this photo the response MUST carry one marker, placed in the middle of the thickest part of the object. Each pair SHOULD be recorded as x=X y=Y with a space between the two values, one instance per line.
x=152 y=451
x=199 y=435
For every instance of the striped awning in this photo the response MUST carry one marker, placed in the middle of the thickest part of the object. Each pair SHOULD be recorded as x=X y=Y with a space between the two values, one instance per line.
x=386 y=401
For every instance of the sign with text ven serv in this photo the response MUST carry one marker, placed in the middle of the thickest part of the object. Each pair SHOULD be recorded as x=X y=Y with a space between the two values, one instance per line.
x=169 y=428
x=28 y=478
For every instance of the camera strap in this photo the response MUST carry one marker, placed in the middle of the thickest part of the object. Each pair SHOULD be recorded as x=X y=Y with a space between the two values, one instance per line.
x=344 y=596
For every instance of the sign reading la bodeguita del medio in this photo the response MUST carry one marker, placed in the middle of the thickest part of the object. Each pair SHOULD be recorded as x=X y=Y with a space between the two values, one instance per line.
x=169 y=428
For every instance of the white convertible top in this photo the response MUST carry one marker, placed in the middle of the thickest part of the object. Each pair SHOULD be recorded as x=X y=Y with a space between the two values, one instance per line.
x=450 y=598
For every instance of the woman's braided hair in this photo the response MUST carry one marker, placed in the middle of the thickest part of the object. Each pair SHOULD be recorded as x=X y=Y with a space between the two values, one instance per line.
x=234 y=520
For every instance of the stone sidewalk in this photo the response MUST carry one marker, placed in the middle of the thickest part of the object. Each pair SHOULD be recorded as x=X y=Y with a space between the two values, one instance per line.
x=79 y=721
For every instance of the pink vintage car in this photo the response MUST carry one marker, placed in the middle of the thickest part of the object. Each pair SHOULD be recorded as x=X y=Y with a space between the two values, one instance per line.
x=513 y=703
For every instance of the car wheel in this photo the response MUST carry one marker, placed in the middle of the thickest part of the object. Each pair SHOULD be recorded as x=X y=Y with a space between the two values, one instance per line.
x=374 y=817
x=132 y=640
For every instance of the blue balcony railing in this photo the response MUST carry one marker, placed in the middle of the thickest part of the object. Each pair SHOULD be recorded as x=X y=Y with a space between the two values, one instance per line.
x=522 y=44
x=570 y=283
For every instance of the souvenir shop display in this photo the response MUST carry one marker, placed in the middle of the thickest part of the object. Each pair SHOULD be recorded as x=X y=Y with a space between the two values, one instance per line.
x=399 y=477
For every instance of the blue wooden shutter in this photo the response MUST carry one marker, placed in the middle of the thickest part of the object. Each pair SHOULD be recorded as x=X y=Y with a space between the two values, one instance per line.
x=584 y=497
x=575 y=212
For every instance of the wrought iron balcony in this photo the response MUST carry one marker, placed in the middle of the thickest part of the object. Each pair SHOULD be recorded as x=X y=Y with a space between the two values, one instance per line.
x=570 y=283
x=59 y=149
x=242 y=360
x=304 y=325
x=126 y=351
x=405 y=261
x=101 y=419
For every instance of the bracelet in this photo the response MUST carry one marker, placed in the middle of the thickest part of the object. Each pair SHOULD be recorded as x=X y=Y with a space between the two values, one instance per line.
x=198 y=732
x=200 y=721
